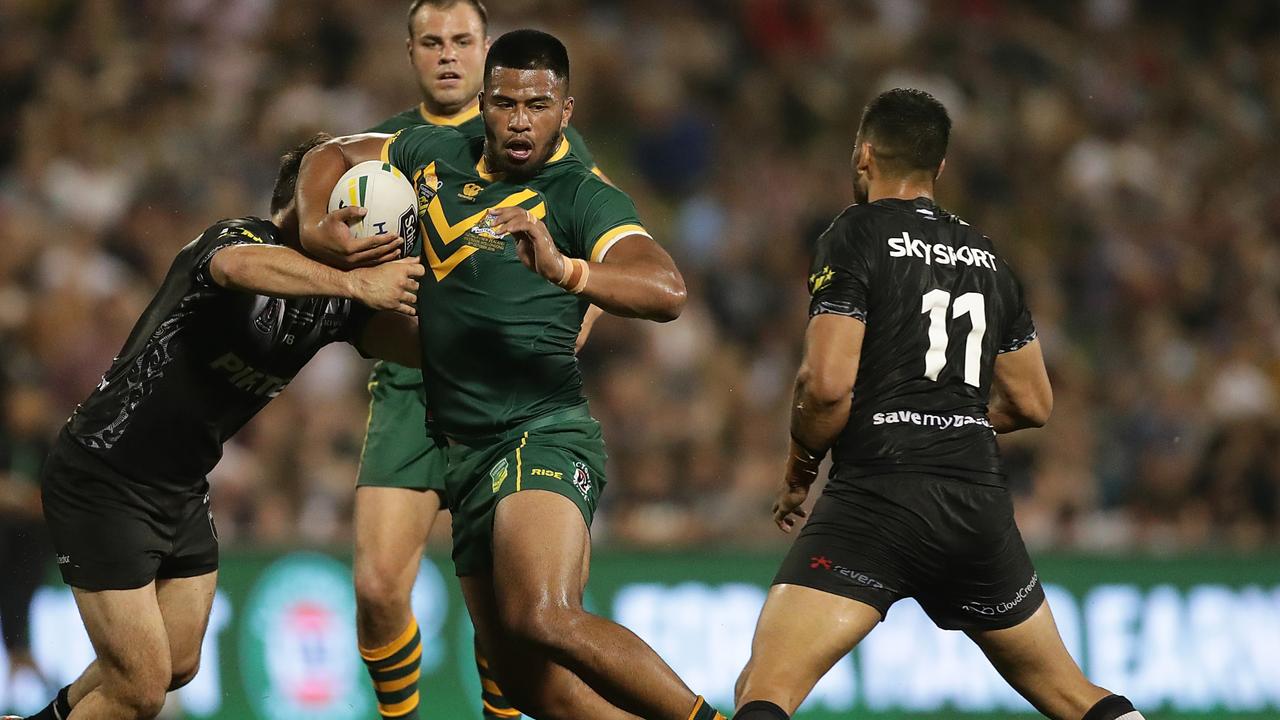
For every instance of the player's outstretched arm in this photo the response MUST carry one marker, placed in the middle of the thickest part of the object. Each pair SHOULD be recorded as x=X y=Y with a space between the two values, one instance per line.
x=283 y=272
x=823 y=397
x=393 y=337
x=637 y=278
x=324 y=236
x=1021 y=396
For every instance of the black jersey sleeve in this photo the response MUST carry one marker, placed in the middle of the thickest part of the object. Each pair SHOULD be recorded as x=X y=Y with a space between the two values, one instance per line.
x=1019 y=329
x=218 y=237
x=840 y=278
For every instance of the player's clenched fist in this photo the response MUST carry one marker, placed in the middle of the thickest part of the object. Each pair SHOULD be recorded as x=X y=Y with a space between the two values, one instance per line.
x=534 y=245
x=389 y=286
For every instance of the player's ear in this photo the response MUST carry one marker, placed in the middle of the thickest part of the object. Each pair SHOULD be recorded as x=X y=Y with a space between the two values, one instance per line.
x=568 y=113
x=866 y=159
x=941 y=166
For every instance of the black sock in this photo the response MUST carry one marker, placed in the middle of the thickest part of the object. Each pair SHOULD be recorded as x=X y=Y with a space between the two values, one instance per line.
x=1113 y=707
x=59 y=709
x=760 y=710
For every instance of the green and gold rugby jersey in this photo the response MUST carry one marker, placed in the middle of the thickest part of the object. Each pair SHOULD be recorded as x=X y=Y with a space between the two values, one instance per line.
x=497 y=338
x=470 y=124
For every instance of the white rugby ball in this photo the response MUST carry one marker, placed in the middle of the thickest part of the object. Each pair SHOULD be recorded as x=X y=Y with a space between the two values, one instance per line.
x=389 y=198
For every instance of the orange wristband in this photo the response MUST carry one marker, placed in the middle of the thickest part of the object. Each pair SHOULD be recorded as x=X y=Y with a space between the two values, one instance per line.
x=576 y=272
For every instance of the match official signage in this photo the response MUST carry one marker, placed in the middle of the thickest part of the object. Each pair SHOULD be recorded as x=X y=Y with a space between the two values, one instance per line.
x=1191 y=637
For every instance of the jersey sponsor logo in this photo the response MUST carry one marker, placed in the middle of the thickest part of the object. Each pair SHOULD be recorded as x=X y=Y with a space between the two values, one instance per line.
x=1006 y=606
x=582 y=479
x=64 y=559
x=244 y=377
x=543 y=472
x=821 y=279
x=942 y=422
x=939 y=253
x=469 y=192
x=409 y=232
x=824 y=563
x=498 y=475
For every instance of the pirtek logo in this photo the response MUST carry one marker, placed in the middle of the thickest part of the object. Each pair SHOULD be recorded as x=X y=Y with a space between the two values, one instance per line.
x=245 y=377
x=547 y=473
x=819 y=561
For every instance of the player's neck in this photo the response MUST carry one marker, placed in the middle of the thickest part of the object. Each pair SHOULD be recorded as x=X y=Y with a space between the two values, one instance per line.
x=442 y=113
x=899 y=188
x=287 y=221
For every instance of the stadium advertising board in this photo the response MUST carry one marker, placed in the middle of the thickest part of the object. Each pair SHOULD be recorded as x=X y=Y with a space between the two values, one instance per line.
x=1194 y=637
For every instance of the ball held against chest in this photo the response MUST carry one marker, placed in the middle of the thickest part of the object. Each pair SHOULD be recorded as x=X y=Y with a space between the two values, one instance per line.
x=387 y=195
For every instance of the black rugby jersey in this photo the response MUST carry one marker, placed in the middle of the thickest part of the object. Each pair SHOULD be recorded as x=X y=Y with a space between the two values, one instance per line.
x=200 y=362
x=939 y=305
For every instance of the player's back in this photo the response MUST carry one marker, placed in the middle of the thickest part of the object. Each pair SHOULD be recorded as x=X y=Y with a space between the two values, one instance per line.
x=939 y=305
x=199 y=363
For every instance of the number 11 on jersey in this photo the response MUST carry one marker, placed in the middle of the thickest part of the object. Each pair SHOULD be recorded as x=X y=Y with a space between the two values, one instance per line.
x=935 y=303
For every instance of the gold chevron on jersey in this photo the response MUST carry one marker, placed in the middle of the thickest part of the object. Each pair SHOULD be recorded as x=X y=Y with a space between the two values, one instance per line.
x=442 y=250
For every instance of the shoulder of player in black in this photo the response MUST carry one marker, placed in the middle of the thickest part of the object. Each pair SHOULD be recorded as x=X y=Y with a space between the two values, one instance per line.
x=921 y=208
x=248 y=227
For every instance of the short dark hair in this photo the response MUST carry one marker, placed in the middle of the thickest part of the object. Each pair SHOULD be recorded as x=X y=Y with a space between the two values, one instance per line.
x=528 y=50
x=908 y=128
x=417 y=5
x=287 y=178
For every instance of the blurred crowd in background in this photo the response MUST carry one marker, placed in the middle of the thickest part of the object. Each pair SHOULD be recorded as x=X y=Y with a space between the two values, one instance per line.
x=1122 y=155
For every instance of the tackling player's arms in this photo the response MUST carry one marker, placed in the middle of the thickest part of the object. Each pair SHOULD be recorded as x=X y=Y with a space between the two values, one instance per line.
x=1021 y=396
x=284 y=272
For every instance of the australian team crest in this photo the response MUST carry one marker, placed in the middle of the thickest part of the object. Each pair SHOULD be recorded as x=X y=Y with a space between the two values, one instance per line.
x=482 y=236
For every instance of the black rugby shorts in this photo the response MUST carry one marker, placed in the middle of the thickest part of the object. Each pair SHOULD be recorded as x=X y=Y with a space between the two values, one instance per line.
x=112 y=533
x=951 y=545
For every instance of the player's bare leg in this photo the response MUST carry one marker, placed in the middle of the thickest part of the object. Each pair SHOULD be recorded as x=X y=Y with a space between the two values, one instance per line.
x=540 y=545
x=391 y=528
x=533 y=683
x=133 y=668
x=184 y=605
x=801 y=633
x=1032 y=658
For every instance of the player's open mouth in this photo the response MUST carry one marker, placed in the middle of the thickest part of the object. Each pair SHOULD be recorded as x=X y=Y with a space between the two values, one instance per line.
x=451 y=78
x=519 y=150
